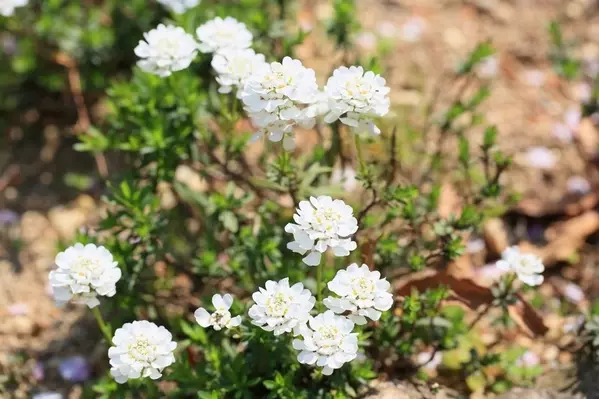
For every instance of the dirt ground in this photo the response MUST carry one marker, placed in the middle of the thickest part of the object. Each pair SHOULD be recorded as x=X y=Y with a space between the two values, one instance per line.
x=425 y=40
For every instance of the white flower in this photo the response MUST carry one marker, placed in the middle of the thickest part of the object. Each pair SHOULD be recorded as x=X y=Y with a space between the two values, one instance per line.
x=356 y=98
x=528 y=267
x=141 y=349
x=219 y=34
x=234 y=66
x=322 y=223
x=281 y=308
x=83 y=273
x=221 y=318
x=166 y=49
x=179 y=6
x=7 y=7
x=275 y=96
x=361 y=292
x=328 y=342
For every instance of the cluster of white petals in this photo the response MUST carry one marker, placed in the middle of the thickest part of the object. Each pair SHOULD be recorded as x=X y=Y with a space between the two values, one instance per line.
x=322 y=223
x=327 y=341
x=141 y=349
x=527 y=267
x=166 y=49
x=221 y=318
x=362 y=293
x=84 y=272
x=234 y=66
x=276 y=97
x=355 y=98
x=179 y=6
x=7 y=7
x=219 y=34
x=280 y=308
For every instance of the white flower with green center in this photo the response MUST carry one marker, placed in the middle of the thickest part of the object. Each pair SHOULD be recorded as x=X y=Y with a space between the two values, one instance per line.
x=140 y=349
x=527 y=267
x=234 y=66
x=327 y=341
x=84 y=272
x=166 y=49
x=322 y=223
x=356 y=98
x=281 y=308
x=276 y=97
x=221 y=317
x=7 y=7
x=362 y=293
x=219 y=34
x=179 y=6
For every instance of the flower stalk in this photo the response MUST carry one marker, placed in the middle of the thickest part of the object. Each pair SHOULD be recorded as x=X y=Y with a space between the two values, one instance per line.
x=103 y=326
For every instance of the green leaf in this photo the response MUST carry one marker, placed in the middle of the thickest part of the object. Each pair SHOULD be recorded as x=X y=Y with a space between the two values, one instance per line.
x=464 y=151
x=490 y=136
x=482 y=51
x=229 y=220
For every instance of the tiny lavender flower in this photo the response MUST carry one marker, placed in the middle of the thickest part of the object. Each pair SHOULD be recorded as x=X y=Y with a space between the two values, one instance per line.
x=361 y=292
x=355 y=98
x=219 y=34
x=141 y=349
x=387 y=30
x=166 y=49
x=74 y=369
x=234 y=66
x=7 y=7
x=488 y=67
x=328 y=342
x=541 y=158
x=366 y=41
x=281 y=308
x=322 y=223
x=578 y=185
x=275 y=96
x=528 y=267
x=83 y=273
x=179 y=6
x=412 y=30
x=221 y=318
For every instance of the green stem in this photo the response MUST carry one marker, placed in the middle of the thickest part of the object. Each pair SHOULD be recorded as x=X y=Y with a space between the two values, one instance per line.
x=359 y=152
x=103 y=327
x=335 y=147
x=319 y=285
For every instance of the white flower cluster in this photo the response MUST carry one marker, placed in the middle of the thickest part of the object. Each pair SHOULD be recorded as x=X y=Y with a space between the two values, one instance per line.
x=327 y=341
x=179 y=6
x=83 y=273
x=527 y=267
x=141 y=349
x=362 y=293
x=281 y=308
x=7 y=7
x=322 y=223
x=166 y=49
x=221 y=318
x=234 y=66
x=355 y=98
x=276 y=97
x=219 y=34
